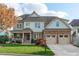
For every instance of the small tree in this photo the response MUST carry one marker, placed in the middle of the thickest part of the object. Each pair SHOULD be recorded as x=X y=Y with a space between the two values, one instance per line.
x=7 y=17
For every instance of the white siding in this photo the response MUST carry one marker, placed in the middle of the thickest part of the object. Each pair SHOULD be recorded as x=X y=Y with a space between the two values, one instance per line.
x=75 y=38
x=15 y=27
x=52 y=24
x=75 y=29
x=32 y=26
x=25 y=25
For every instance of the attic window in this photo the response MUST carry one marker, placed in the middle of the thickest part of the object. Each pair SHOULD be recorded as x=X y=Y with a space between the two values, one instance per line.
x=57 y=24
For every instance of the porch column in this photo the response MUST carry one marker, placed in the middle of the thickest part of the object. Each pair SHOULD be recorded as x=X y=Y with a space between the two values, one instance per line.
x=22 y=38
x=12 y=36
x=30 y=37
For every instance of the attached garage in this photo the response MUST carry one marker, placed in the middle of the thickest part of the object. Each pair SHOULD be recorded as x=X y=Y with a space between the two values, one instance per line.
x=64 y=38
x=57 y=36
x=51 y=39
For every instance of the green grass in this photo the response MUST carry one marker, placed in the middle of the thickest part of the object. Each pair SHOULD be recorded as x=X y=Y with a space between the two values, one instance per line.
x=25 y=49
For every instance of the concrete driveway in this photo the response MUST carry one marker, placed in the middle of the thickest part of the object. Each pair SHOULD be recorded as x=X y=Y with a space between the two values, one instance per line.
x=64 y=50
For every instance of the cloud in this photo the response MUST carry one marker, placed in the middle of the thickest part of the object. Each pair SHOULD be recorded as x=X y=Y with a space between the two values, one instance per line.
x=60 y=14
x=39 y=8
x=42 y=9
x=16 y=6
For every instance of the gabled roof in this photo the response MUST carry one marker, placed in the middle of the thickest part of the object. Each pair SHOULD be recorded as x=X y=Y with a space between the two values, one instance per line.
x=24 y=16
x=74 y=22
x=34 y=14
x=62 y=20
x=46 y=19
x=27 y=17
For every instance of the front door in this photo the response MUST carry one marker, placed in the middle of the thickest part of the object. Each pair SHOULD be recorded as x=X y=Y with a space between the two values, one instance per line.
x=26 y=37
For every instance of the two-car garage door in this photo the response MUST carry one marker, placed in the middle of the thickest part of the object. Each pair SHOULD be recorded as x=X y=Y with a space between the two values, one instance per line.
x=57 y=39
x=60 y=37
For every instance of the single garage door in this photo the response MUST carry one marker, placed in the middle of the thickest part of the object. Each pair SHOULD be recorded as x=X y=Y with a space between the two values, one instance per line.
x=51 y=39
x=60 y=39
x=63 y=39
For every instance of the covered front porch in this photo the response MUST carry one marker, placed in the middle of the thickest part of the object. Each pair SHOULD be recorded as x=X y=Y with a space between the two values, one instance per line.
x=23 y=36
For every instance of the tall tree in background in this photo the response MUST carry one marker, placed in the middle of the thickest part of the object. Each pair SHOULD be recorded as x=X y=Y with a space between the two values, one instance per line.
x=7 y=17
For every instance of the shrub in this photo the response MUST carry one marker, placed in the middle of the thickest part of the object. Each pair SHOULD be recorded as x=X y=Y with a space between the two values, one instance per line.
x=15 y=41
x=18 y=41
x=40 y=42
x=33 y=40
x=4 y=39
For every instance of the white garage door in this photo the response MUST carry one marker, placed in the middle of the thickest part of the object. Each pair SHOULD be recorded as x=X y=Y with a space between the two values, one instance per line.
x=51 y=39
x=63 y=39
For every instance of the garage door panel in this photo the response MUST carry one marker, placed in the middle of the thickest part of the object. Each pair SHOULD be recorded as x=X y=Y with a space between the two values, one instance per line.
x=66 y=38
x=63 y=39
x=60 y=39
x=51 y=39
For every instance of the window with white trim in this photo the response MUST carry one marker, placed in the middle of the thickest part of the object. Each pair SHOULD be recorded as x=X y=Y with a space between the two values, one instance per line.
x=66 y=36
x=37 y=25
x=57 y=24
x=27 y=24
x=61 y=36
x=19 y=25
x=48 y=35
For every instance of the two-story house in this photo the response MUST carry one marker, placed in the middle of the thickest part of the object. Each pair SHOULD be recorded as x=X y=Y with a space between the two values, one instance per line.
x=75 y=31
x=33 y=26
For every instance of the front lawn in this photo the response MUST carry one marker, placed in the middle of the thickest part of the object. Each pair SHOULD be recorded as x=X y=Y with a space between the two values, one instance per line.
x=25 y=49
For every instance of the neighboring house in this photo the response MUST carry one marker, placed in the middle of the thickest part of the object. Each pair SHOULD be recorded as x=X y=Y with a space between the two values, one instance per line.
x=2 y=33
x=75 y=28
x=33 y=26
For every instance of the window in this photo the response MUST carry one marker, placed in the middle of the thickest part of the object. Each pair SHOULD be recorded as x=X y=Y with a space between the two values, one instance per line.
x=57 y=24
x=19 y=25
x=53 y=35
x=48 y=35
x=37 y=25
x=27 y=24
x=78 y=30
x=61 y=35
x=66 y=36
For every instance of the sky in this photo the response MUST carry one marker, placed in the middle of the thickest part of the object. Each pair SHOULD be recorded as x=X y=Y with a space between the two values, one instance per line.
x=63 y=10
x=72 y=9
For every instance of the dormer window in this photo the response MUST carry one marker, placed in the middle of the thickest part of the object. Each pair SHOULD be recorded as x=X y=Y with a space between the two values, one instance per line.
x=57 y=24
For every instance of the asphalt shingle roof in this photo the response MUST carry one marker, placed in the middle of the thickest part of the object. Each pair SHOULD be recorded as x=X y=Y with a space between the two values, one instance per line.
x=24 y=16
x=75 y=22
